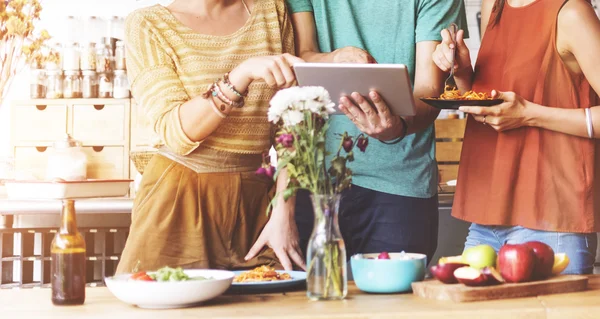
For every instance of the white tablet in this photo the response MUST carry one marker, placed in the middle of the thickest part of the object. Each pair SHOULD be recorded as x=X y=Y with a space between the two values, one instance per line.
x=390 y=80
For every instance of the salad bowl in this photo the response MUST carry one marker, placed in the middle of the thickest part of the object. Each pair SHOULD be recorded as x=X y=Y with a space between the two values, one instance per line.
x=198 y=285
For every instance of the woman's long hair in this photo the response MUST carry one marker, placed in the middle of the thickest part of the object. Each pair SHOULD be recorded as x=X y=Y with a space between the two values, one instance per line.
x=497 y=11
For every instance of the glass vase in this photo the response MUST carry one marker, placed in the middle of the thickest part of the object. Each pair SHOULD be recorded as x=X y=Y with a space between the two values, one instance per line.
x=327 y=277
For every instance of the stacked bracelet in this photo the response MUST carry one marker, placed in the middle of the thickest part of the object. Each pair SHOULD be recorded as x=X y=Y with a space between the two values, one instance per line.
x=589 y=123
x=401 y=137
x=232 y=87
x=216 y=92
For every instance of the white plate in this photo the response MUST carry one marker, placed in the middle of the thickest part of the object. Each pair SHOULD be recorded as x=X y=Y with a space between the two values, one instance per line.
x=167 y=295
x=67 y=189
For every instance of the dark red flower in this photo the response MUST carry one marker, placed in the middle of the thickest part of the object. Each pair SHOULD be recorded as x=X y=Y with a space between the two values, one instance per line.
x=347 y=144
x=362 y=143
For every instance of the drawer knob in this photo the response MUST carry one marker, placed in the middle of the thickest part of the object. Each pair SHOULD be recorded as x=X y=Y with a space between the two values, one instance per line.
x=98 y=107
x=41 y=149
x=41 y=107
x=97 y=149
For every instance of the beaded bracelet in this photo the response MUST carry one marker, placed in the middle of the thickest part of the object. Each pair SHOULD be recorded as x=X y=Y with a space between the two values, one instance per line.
x=216 y=92
x=232 y=87
x=401 y=137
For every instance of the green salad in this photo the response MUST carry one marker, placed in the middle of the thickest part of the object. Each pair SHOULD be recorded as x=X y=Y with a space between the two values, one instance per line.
x=167 y=274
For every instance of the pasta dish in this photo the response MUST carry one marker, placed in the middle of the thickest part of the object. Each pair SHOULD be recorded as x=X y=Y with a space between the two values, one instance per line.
x=454 y=94
x=261 y=273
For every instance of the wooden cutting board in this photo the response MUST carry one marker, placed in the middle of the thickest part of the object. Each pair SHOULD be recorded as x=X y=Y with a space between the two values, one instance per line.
x=434 y=289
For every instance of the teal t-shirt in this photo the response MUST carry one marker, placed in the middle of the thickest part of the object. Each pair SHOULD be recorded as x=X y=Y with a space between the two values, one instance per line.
x=389 y=31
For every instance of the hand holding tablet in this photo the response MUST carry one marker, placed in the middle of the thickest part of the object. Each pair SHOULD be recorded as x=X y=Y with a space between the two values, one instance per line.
x=391 y=81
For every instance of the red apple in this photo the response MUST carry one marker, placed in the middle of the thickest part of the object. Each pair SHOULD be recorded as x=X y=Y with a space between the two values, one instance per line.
x=493 y=276
x=471 y=277
x=383 y=255
x=445 y=272
x=516 y=262
x=544 y=259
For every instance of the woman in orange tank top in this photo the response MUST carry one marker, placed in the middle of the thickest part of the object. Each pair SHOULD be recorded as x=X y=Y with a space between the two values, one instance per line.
x=530 y=167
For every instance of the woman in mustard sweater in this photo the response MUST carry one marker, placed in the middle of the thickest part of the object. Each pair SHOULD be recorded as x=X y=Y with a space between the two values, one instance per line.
x=204 y=71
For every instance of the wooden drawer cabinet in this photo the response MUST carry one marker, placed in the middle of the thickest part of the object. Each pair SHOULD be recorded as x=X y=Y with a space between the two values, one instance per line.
x=449 y=135
x=106 y=162
x=31 y=161
x=104 y=123
x=35 y=123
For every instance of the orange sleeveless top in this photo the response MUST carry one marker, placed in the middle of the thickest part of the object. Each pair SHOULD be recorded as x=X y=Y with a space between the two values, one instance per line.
x=529 y=176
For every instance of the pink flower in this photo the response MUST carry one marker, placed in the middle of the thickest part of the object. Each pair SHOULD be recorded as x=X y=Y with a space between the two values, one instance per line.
x=286 y=140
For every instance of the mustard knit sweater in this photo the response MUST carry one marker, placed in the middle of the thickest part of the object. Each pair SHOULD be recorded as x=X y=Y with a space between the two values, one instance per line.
x=169 y=64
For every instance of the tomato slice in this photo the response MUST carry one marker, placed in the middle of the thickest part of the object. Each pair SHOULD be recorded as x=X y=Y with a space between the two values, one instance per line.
x=145 y=278
x=138 y=275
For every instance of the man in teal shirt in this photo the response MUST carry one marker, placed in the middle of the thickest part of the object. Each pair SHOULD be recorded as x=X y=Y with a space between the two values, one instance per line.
x=392 y=205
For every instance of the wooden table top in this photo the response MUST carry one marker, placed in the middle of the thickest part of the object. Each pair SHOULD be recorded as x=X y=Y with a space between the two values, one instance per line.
x=100 y=303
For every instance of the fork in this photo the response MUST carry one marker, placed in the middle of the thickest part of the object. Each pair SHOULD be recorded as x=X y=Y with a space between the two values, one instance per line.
x=450 y=83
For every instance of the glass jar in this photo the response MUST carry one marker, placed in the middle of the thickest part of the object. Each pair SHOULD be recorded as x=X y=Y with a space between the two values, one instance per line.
x=121 y=85
x=89 y=84
x=120 y=56
x=55 y=58
x=105 y=85
x=37 y=84
x=54 y=84
x=72 y=85
x=326 y=275
x=67 y=160
x=70 y=57
x=88 y=57
x=103 y=58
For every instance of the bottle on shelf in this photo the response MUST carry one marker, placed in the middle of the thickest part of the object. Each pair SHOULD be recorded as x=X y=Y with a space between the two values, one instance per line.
x=70 y=57
x=88 y=56
x=121 y=85
x=103 y=58
x=105 y=85
x=72 y=85
x=37 y=83
x=68 y=275
x=120 y=58
x=54 y=84
x=89 y=84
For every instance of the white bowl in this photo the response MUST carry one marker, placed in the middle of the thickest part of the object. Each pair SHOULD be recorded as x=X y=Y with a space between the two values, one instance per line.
x=170 y=294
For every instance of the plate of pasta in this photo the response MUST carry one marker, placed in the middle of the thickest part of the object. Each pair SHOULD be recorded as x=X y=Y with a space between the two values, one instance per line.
x=266 y=278
x=452 y=99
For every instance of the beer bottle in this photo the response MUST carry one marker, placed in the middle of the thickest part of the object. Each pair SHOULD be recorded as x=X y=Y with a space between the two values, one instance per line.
x=68 y=260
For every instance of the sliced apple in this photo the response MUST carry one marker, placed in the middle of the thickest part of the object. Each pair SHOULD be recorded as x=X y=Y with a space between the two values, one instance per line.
x=471 y=277
x=493 y=276
x=451 y=259
x=561 y=261
x=445 y=272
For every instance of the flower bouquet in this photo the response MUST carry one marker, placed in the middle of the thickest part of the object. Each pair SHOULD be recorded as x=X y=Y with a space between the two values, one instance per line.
x=301 y=114
x=19 y=44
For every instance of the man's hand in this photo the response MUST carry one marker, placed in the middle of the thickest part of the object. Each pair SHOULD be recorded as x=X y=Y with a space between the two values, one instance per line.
x=377 y=121
x=352 y=55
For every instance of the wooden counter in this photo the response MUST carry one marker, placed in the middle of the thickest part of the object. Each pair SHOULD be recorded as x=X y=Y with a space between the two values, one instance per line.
x=101 y=304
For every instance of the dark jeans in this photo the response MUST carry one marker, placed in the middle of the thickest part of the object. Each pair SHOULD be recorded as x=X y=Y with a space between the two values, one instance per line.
x=373 y=222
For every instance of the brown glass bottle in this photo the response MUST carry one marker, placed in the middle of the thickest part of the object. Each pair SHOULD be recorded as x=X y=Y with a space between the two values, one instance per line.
x=68 y=260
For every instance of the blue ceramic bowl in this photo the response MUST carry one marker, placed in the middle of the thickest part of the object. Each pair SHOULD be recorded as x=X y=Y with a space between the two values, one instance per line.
x=388 y=275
